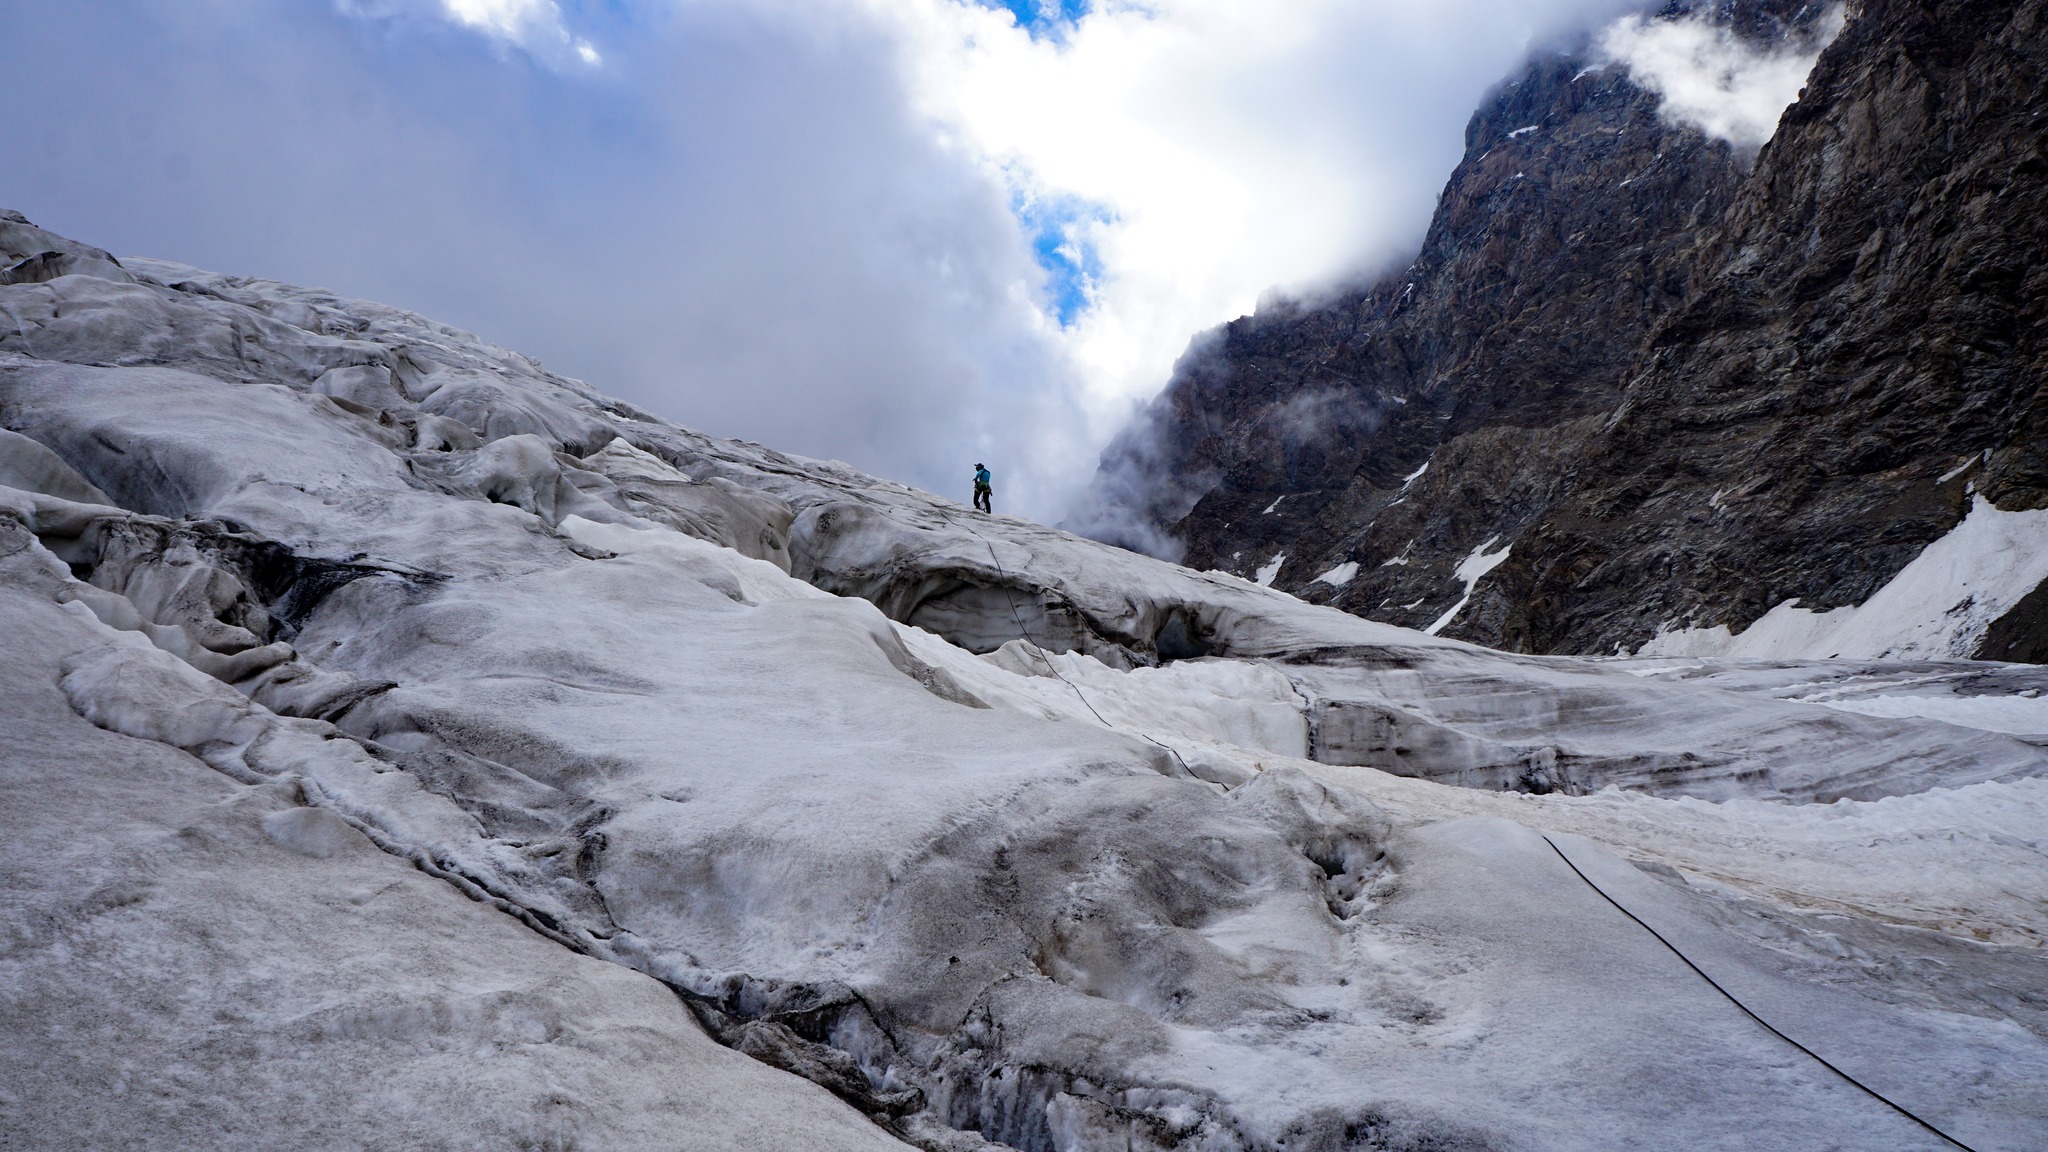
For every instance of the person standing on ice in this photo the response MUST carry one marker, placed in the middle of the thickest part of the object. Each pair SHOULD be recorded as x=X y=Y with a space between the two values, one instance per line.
x=982 y=491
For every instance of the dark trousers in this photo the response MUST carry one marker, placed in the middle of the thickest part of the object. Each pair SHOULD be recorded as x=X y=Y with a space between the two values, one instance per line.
x=981 y=495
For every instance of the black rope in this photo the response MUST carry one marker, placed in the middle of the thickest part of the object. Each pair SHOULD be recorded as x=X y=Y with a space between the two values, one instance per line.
x=1822 y=1060
x=1047 y=660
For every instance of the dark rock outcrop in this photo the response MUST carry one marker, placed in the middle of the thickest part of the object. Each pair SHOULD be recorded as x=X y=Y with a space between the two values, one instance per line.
x=1683 y=385
x=1866 y=345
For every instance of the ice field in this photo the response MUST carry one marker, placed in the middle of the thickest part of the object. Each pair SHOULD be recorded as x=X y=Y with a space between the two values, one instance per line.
x=405 y=745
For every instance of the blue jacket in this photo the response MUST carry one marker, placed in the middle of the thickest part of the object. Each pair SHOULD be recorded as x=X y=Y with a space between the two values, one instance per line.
x=981 y=477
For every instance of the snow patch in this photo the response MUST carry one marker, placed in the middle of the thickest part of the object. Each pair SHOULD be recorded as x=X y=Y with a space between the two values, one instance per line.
x=1339 y=576
x=1268 y=570
x=1474 y=566
x=1939 y=605
x=1958 y=470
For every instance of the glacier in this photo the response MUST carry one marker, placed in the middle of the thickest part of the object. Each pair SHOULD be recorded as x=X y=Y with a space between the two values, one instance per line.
x=406 y=745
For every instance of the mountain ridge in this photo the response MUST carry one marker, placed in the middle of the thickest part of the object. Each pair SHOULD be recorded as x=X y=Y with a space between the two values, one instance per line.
x=1552 y=329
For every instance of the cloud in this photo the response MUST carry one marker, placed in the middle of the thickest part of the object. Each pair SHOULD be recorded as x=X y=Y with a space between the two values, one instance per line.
x=909 y=234
x=1714 y=80
x=535 y=26
x=510 y=19
x=1225 y=148
x=529 y=23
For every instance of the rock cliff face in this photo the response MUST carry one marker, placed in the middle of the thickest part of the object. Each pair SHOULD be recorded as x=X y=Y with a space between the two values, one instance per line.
x=1679 y=385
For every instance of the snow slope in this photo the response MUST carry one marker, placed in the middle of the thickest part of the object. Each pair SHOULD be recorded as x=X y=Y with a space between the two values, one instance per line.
x=991 y=832
x=1940 y=604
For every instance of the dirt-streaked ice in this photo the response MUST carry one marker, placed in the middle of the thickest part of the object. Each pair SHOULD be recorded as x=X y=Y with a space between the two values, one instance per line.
x=991 y=832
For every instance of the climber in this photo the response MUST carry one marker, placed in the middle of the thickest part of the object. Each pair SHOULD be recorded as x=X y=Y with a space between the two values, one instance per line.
x=982 y=491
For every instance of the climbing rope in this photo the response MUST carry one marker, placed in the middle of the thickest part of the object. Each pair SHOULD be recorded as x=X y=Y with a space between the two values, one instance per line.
x=1024 y=632
x=1716 y=985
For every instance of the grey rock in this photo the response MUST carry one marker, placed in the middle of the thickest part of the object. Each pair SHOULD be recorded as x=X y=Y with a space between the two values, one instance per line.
x=1683 y=387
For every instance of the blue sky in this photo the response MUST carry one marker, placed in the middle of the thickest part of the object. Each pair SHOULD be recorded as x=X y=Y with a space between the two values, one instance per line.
x=1043 y=18
x=1061 y=230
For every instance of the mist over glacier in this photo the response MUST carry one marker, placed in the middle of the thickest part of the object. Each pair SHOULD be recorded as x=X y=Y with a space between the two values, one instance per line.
x=910 y=235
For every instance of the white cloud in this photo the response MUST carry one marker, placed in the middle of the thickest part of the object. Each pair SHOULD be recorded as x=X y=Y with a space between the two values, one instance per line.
x=1230 y=148
x=507 y=18
x=535 y=25
x=818 y=224
x=1714 y=81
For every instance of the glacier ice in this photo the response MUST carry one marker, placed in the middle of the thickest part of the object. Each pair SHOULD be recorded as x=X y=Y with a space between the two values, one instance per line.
x=963 y=829
x=190 y=962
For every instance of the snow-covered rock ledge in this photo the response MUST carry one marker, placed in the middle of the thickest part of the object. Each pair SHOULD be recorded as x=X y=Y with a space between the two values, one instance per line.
x=981 y=831
x=1940 y=606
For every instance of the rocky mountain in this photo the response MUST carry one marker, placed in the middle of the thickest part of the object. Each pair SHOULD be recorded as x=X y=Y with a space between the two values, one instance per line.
x=1637 y=383
x=406 y=746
